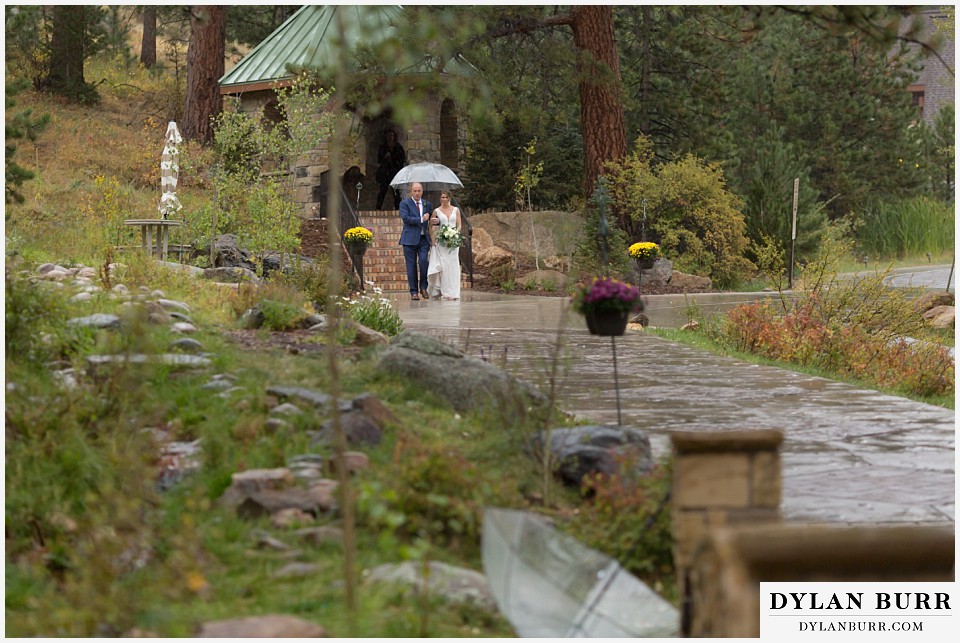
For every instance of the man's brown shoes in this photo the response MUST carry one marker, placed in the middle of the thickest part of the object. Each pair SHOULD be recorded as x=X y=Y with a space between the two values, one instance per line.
x=423 y=293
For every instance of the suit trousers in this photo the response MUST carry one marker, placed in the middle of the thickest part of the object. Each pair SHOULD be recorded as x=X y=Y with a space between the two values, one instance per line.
x=417 y=275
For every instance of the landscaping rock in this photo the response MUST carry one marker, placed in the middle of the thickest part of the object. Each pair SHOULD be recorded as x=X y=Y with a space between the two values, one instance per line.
x=286 y=409
x=490 y=258
x=231 y=275
x=583 y=450
x=933 y=299
x=187 y=345
x=355 y=461
x=940 y=316
x=244 y=483
x=183 y=327
x=357 y=427
x=252 y=319
x=286 y=518
x=267 y=626
x=99 y=320
x=373 y=408
x=367 y=336
x=264 y=503
x=427 y=363
x=689 y=282
x=454 y=584
x=176 y=306
x=316 y=398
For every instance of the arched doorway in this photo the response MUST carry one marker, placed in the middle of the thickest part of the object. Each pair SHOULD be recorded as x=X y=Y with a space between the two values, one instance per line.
x=449 y=154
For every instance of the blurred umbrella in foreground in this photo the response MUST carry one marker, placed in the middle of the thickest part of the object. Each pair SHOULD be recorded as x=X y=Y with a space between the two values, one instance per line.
x=548 y=584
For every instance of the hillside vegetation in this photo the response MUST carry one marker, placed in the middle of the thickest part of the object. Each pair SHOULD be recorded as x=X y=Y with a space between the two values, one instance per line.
x=111 y=531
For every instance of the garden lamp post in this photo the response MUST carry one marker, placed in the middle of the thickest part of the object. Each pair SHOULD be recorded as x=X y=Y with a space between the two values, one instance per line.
x=601 y=198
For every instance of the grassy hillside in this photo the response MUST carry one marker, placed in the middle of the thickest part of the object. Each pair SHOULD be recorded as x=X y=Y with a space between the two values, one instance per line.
x=95 y=548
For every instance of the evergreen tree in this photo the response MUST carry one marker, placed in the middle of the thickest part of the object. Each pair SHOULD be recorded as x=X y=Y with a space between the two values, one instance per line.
x=20 y=125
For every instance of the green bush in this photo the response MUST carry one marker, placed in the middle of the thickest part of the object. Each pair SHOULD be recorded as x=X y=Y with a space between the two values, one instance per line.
x=697 y=222
x=374 y=311
x=628 y=518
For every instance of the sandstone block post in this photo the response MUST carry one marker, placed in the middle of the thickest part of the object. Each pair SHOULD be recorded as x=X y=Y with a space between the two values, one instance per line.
x=720 y=479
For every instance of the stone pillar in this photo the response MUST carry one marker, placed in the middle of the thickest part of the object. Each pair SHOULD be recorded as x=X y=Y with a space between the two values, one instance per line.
x=724 y=578
x=720 y=478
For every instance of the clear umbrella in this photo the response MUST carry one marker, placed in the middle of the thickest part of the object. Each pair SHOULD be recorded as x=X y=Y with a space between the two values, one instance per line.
x=548 y=584
x=433 y=176
x=169 y=170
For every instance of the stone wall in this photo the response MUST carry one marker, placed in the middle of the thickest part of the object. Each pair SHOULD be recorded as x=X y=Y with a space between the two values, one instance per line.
x=440 y=136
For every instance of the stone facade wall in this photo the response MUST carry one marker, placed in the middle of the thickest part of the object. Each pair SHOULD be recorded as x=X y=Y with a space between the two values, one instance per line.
x=421 y=140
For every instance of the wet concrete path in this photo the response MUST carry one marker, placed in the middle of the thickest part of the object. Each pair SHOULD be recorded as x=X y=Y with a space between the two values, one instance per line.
x=850 y=455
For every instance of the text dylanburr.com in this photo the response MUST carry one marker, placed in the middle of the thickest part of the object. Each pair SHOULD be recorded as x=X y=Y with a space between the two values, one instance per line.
x=852 y=610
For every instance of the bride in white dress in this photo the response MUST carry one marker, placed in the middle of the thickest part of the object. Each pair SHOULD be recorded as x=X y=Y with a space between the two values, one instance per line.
x=443 y=271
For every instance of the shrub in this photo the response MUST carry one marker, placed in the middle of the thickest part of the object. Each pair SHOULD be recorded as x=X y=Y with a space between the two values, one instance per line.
x=853 y=326
x=628 y=518
x=374 y=311
x=697 y=221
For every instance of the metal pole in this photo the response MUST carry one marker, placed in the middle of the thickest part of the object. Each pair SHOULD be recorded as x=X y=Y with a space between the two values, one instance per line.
x=950 y=278
x=643 y=226
x=616 y=380
x=793 y=233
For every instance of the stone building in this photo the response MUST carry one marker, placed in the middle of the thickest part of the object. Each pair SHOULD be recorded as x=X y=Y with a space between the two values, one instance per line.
x=307 y=39
x=935 y=85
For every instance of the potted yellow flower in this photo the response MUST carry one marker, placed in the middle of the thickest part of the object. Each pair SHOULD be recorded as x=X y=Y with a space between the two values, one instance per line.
x=357 y=239
x=644 y=253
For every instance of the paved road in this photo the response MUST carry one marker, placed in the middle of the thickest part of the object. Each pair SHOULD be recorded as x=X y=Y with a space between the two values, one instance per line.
x=850 y=455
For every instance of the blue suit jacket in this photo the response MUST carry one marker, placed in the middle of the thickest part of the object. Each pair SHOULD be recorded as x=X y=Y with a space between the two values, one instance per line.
x=410 y=236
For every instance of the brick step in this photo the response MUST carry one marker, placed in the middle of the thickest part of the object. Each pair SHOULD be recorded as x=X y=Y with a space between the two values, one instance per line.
x=383 y=263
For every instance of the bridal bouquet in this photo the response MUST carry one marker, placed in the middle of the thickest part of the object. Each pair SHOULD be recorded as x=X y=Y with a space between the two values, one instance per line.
x=449 y=237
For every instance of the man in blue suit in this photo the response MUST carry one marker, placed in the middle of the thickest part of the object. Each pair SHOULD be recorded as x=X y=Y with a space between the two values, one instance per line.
x=415 y=239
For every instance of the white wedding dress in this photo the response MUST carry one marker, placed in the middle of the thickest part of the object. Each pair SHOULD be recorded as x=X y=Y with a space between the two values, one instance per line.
x=443 y=270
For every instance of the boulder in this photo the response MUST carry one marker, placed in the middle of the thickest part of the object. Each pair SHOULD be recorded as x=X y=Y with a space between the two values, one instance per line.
x=366 y=336
x=481 y=240
x=231 y=275
x=314 y=398
x=358 y=428
x=690 y=283
x=314 y=500
x=940 y=317
x=584 y=450
x=228 y=253
x=454 y=584
x=99 y=320
x=493 y=257
x=427 y=363
x=373 y=408
x=932 y=300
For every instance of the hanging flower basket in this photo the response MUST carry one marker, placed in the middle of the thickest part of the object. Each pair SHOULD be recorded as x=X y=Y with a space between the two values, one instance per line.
x=357 y=240
x=607 y=324
x=644 y=253
x=606 y=304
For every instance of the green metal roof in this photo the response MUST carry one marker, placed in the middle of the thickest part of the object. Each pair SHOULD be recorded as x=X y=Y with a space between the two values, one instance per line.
x=307 y=39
